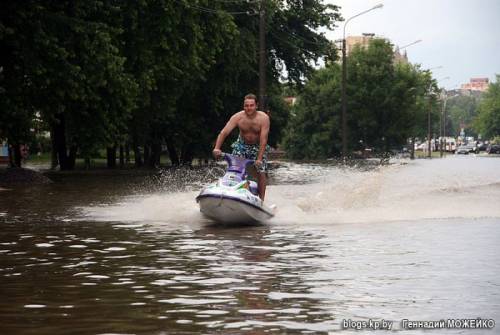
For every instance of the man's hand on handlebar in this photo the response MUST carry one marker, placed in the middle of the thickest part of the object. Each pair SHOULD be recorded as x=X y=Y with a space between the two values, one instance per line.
x=258 y=163
x=217 y=153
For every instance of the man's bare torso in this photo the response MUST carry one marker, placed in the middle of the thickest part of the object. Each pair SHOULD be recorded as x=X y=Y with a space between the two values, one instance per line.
x=250 y=127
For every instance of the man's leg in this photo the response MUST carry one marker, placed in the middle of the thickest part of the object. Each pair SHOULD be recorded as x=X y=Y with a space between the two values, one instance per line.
x=261 y=182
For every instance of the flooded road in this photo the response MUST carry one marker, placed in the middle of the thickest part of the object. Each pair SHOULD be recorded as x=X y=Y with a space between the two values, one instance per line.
x=98 y=255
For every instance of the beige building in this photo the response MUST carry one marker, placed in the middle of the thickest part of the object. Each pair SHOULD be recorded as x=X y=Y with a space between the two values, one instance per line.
x=476 y=84
x=352 y=41
x=364 y=41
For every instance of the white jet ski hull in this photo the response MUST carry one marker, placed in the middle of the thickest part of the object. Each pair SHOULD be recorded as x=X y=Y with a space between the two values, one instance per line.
x=227 y=209
x=233 y=198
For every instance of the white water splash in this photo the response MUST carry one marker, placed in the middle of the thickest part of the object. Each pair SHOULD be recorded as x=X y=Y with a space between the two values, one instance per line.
x=178 y=207
x=465 y=187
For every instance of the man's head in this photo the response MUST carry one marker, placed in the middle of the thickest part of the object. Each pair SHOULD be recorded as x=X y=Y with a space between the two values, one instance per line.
x=250 y=104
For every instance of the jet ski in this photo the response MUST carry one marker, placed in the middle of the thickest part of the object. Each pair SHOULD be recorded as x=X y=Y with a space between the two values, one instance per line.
x=234 y=198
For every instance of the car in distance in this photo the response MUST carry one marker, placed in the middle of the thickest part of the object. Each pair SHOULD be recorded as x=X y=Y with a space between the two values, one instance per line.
x=465 y=150
x=462 y=150
x=481 y=146
x=493 y=149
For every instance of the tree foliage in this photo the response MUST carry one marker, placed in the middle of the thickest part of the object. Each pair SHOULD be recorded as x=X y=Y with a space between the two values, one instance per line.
x=63 y=61
x=461 y=112
x=314 y=126
x=150 y=73
x=385 y=105
x=487 y=122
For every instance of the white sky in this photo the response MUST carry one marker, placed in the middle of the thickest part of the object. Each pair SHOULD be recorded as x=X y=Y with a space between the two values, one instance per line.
x=462 y=36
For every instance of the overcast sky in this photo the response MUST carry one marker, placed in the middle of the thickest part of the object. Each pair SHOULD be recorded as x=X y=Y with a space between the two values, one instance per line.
x=462 y=36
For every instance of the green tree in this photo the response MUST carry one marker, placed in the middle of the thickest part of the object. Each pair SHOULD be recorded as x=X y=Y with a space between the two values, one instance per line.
x=175 y=49
x=64 y=57
x=487 y=122
x=461 y=111
x=385 y=101
x=313 y=130
x=16 y=111
x=152 y=72
x=203 y=109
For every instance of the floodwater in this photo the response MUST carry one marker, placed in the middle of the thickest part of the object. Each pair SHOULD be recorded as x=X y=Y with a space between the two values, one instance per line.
x=416 y=240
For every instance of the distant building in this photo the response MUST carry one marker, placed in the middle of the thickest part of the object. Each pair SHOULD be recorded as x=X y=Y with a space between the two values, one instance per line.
x=364 y=41
x=476 y=84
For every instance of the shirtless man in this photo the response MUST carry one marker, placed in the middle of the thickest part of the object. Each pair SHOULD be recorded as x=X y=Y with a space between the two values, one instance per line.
x=252 y=140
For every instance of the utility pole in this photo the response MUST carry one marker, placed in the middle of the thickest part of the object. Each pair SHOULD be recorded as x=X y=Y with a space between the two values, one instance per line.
x=429 y=134
x=441 y=134
x=429 y=128
x=442 y=125
x=262 y=57
x=344 y=101
x=345 y=130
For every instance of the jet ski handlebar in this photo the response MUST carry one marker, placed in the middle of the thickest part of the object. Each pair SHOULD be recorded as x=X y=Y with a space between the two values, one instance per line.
x=236 y=163
x=232 y=159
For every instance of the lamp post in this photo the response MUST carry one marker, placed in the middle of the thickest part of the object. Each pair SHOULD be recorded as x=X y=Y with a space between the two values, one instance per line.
x=344 y=81
x=429 y=114
x=262 y=57
x=435 y=68
x=445 y=97
x=429 y=130
x=410 y=44
x=442 y=123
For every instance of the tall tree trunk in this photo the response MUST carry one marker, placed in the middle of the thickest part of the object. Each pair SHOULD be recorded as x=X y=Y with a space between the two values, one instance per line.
x=127 y=152
x=122 y=158
x=111 y=157
x=146 y=153
x=154 y=159
x=187 y=155
x=137 y=151
x=72 y=157
x=87 y=163
x=412 y=149
x=60 y=142
x=137 y=156
x=15 y=160
x=172 y=153
x=53 y=150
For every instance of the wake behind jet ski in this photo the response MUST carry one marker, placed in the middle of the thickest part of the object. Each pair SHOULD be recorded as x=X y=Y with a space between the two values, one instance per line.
x=234 y=198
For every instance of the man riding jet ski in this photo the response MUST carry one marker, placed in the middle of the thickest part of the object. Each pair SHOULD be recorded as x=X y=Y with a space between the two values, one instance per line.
x=253 y=126
x=234 y=198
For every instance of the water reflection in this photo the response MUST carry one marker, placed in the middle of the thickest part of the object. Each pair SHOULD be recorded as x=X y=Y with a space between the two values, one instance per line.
x=189 y=277
x=98 y=278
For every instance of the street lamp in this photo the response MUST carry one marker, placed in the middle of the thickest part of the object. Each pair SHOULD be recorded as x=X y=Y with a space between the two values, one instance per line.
x=429 y=134
x=442 y=126
x=344 y=81
x=435 y=68
x=408 y=45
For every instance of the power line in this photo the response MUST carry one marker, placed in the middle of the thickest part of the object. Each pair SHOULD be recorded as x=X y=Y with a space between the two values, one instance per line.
x=288 y=42
x=298 y=37
x=216 y=11
x=237 y=1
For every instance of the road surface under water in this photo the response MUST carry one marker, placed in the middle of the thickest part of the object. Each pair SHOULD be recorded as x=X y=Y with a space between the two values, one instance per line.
x=413 y=240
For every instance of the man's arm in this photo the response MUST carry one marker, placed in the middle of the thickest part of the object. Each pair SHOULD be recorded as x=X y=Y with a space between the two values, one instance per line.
x=264 y=133
x=228 y=128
